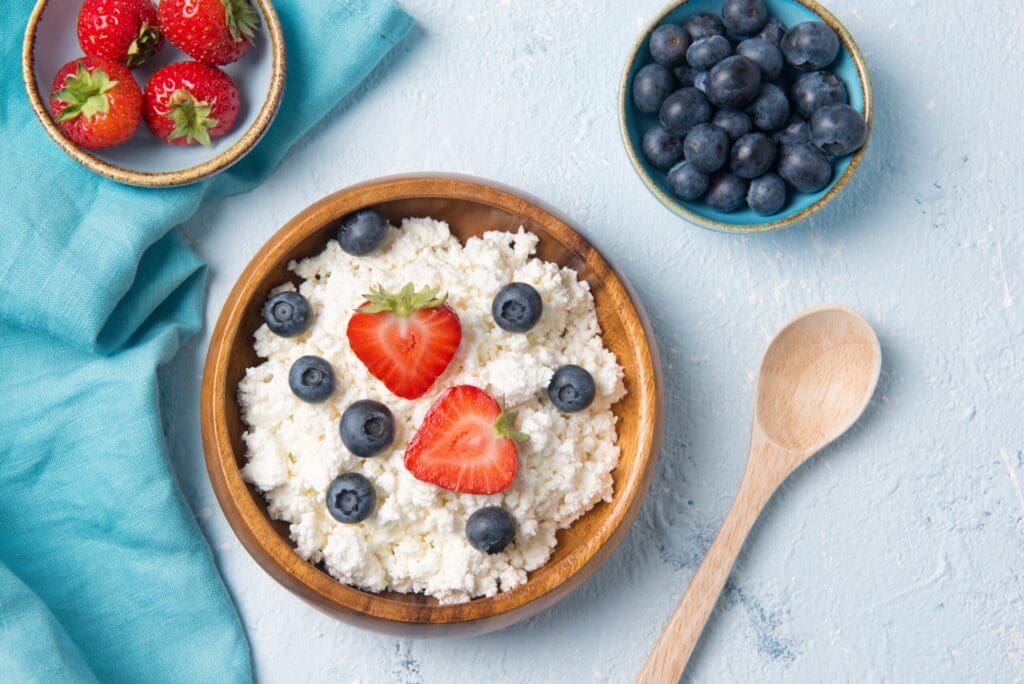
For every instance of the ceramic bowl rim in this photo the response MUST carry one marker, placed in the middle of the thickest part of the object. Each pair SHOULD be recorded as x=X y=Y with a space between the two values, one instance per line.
x=675 y=206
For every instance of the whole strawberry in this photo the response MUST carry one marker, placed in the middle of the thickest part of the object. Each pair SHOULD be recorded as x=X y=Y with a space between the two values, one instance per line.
x=210 y=31
x=189 y=102
x=124 y=30
x=96 y=101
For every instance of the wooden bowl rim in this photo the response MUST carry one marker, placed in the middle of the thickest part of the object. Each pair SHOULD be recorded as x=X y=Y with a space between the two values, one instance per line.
x=277 y=555
x=162 y=179
x=674 y=205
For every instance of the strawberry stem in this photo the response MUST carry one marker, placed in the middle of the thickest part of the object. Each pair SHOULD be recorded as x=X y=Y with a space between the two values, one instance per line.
x=505 y=426
x=85 y=93
x=407 y=302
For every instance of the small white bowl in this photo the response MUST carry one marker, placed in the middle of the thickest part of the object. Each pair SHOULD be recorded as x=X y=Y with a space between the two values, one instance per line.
x=51 y=41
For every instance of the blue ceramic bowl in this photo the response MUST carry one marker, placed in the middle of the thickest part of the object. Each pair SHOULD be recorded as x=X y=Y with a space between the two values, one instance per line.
x=849 y=66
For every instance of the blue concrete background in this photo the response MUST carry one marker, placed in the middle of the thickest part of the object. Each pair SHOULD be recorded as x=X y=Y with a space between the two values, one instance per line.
x=897 y=555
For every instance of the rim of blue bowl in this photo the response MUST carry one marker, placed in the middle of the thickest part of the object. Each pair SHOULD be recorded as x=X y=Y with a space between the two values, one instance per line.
x=676 y=206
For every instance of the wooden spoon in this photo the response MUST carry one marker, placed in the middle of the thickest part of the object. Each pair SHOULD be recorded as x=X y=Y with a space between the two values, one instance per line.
x=816 y=379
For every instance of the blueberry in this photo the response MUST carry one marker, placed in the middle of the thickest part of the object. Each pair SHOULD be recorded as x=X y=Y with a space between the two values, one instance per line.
x=668 y=45
x=838 y=129
x=684 y=75
x=683 y=110
x=661 y=148
x=736 y=124
x=805 y=167
x=764 y=55
x=288 y=314
x=734 y=82
x=686 y=182
x=814 y=90
x=311 y=379
x=651 y=85
x=517 y=307
x=726 y=192
x=351 y=498
x=704 y=25
x=772 y=31
x=367 y=428
x=363 y=232
x=490 y=529
x=752 y=155
x=700 y=81
x=571 y=389
x=706 y=147
x=707 y=52
x=744 y=17
x=770 y=109
x=810 y=46
x=796 y=131
x=767 y=194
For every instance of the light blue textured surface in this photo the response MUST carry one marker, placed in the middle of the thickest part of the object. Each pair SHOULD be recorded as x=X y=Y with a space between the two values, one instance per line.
x=898 y=555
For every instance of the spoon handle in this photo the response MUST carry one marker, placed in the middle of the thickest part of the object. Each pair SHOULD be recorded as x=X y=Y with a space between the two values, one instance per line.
x=668 y=659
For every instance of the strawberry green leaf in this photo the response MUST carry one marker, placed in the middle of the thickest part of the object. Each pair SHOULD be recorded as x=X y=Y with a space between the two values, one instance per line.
x=241 y=18
x=191 y=118
x=144 y=45
x=505 y=427
x=85 y=93
x=407 y=302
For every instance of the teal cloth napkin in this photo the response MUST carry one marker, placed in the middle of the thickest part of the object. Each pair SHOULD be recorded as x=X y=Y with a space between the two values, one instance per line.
x=104 y=574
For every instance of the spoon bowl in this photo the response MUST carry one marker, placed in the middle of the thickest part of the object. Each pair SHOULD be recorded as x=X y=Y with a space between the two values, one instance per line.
x=817 y=377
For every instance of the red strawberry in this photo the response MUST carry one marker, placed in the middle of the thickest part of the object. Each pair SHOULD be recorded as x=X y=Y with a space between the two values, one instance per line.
x=210 y=31
x=405 y=340
x=125 y=30
x=190 y=102
x=96 y=101
x=466 y=443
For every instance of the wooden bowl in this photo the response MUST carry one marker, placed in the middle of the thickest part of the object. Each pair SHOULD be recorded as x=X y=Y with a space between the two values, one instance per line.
x=51 y=40
x=470 y=208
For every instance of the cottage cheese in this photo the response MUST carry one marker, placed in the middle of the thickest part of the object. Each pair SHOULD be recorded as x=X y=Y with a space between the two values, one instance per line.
x=415 y=540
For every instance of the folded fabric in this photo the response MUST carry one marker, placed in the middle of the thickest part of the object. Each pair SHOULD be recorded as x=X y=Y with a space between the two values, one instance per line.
x=103 y=572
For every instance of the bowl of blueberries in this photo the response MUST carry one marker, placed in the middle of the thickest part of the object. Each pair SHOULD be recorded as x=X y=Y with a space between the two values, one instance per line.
x=745 y=115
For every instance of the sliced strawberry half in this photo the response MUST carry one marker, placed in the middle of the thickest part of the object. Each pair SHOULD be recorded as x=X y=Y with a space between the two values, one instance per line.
x=466 y=443
x=405 y=340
